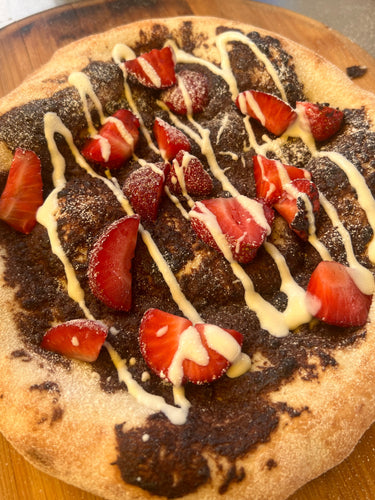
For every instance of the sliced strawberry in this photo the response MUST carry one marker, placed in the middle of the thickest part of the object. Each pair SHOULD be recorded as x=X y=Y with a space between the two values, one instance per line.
x=245 y=224
x=334 y=297
x=218 y=364
x=291 y=205
x=270 y=175
x=272 y=112
x=115 y=142
x=188 y=172
x=170 y=139
x=79 y=339
x=178 y=351
x=144 y=188
x=190 y=95
x=323 y=120
x=23 y=192
x=154 y=69
x=110 y=259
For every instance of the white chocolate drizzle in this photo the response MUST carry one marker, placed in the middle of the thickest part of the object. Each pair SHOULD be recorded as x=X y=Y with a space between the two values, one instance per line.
x=275 y=322
x=357 y=181
x=269 y=317
x=176 y=414
x=82 y=83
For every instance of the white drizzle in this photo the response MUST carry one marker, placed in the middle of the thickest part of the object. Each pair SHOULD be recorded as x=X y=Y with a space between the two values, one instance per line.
x=82 y=83
x=296 y=312
x=357 y=181
x=270 y=318
x=176 y=414
x=362 y=276
x=53 y=125
x=120 y=53
x=225 y=70
x=150 y=72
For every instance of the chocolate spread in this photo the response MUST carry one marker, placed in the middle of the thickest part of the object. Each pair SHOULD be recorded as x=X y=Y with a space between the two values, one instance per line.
x=230 y=417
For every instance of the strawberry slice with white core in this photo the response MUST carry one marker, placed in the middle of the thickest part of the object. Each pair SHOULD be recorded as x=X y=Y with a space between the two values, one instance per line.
x=190 y=95
x=144 y=189
x=109 y=270
x=323 y=121
x=271 y=175
x=115 y=142
x=154 y=69
x=333 y=296
x=170 y=139
x=78 y=339
x=271 y=111
x=23 y=192
x=299 y=204
x=237 y=227
x=181 y=352
x=187 y=175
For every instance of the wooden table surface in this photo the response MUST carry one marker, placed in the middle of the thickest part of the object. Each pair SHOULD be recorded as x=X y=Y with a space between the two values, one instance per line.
x=27 y=44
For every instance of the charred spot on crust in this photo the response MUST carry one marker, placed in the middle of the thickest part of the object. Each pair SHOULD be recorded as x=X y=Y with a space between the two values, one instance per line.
x=22 y=354
x=271 y=464
x=47 y=386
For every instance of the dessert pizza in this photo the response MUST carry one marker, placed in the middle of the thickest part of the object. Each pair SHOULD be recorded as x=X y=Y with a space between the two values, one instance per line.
x=187 y=254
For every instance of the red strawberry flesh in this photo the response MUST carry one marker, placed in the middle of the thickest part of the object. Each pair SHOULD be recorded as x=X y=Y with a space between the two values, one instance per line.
x=110 y=260
x=270 y=175
x=324 y=121
x=245 y=224
x=23 y=192
x=187 y=171
x=195 y=85
x=115 y=142
x=217 y=365
x=334 y=297
x=272 y=112
x=180 y=352
x=154 y=69
x=170 y=139
x=78 y=339
x=299 y=204
x=144 y=188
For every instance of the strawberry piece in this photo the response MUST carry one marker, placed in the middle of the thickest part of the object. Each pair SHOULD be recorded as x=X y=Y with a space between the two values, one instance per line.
x=217 y=365
x=144 y=188
x=323 y=120
x=334 y=297
x=170 y=139
x=115 y=142
x=23 y=192
x=109 y=270
x=270 y=175
x=179 y=359
x=195 y=86
x=78 y=339
x=188 y=172
x=291 y=205
x=272 y=112
x=154 y=69
x=244 y=222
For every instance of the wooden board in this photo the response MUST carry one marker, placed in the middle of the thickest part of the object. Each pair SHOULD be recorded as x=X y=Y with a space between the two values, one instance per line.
x=25 y=45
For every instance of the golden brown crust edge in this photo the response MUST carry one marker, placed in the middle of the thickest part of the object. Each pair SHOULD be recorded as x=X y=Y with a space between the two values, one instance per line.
x=303 y=448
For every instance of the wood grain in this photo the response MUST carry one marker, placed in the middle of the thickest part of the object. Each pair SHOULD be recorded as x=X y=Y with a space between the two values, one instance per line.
x=27 y=44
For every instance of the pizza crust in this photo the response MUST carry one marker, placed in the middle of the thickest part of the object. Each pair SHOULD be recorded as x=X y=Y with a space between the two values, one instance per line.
x=62 y=422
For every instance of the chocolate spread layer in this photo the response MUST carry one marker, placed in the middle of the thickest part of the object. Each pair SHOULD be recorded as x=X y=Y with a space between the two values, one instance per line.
x=230 y=417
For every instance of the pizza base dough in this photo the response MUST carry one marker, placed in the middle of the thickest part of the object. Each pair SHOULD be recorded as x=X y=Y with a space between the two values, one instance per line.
x=80 y=448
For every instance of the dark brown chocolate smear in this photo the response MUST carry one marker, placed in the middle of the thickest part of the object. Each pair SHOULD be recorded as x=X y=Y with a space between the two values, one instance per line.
x=228 y=418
